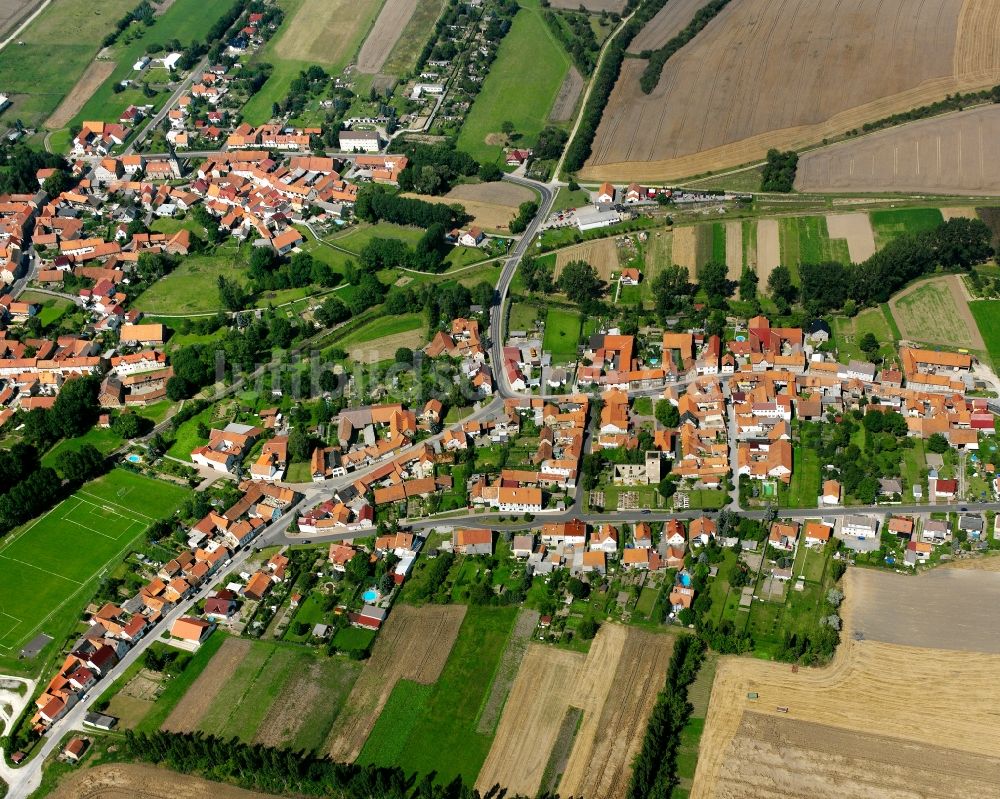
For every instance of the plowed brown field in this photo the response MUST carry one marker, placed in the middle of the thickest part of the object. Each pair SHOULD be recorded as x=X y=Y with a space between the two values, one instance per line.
x=786 y=73
x=125 y=781
x=612 y=685
x=882 y=720
x=199 y=697
x=413 y=645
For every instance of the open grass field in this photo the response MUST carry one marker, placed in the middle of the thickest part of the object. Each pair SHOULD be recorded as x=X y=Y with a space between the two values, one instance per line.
x=936 y=312
x=591 y=5
x=58 y=47
x=384 y=326
x=193 y=286
x=856 y=230
x=848 y=332
x=602 y=254
x=49 y=567
x=357 y=237
x=410 y=42
x=805 y=239
x=433 y=728
x=105 y=439
x=851 y=65
x=72 y=104
x=890 y=223
x=948 y=154
x=414 y=644
x=864 y=721
x=521 y=87
x=987 y=316
x=562 y=334
x=392 y=21
x=804 y=488
x=611 y=684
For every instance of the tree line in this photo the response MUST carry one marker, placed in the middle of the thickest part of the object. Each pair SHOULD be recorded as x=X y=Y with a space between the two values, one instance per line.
x=574 y=31
x=654 y=770
x=375 y=203
x=658 y=58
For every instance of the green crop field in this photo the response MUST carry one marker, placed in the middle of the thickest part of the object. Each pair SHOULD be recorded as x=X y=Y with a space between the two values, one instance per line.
x=718 y=243
x=987 y=316
x=384 y=326
x=434 y=728
x=562 y=333
x=49 y=567
x=523 y=83
x=193 y=286
x=890 y=223
x=58 y=47
x=357 y=237
x=805 y=239
x=804 y=488
x=403 y=57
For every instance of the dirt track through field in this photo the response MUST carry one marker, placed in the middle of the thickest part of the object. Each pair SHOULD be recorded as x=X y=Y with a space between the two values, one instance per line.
x=872 y=695
x=768 y=249
x=188 y=713
x=668 y=22
x=90 y=81
x=734 y=249
x=413 y=645
x=612 y=685
x=602 y=254
x=727 y=97
x=14 y=12
x=569 y=93
x=392 y=19
x=127 y=781
x=857 y=229
x=952 y=154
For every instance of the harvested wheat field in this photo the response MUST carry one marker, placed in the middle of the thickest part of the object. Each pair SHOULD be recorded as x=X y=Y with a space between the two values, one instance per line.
x=491 y=217
x=727 y=97
x=617 y=6
x=692 y=246
x=857 y=230
x=126 y=781
x=569 y=93
x=668 y=22
x=611 y=685
x=324 y=31
x=392 y=19
x=768 y=248
x=951 y=154
x=188 y=713
x=96 y=74
x=384 y=348
x=499 y=193
x=965 y=212
x=413 y=645
x=734 y=249
x=936 y=312
x=909 y=708
x=602 y=254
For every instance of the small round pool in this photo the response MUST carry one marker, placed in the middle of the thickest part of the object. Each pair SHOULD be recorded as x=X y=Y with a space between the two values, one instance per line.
x=741 y=338
x=686 y=580
x=133 y=458
x=371 y=595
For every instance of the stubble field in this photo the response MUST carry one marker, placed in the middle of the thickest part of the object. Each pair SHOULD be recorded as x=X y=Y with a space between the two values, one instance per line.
x=325 y=31
x=392 y=20
x=882 y=720
x=668 y=22
x=602 y=254
x=123 y=780
x=730 y=95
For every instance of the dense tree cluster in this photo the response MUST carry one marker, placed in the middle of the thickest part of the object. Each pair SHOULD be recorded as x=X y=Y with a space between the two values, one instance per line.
x=580 y=282
x=73 y=413
x=269 y=272
x=434 y=168
x=574 y=30
x=525 y=212
x=35 y=494
x=375 y=203
x=21 y=164
x=779 y=171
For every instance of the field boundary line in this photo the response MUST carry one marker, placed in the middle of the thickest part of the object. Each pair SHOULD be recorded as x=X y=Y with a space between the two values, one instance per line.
x=17 y=536
x=116 y=504
x=39 y=568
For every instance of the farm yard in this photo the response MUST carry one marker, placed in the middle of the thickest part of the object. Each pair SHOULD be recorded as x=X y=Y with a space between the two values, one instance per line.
x=936 y=312
x=521 y=87
x=950 y=154
x=392 y=20
x=413 y=645
x=39 y=586
x=866 y=720
x=611 y=686
x=883 y=58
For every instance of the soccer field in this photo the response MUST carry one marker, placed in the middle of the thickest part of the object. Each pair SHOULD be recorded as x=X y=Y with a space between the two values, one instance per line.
x=49 y=567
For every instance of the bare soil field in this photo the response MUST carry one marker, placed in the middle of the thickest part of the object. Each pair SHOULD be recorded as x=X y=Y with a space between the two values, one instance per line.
x=768 y=248
x=569 y=93
x=612 y=685
x=602 y=254
x=322 y=31
x=384 y=348
x=616 y=712
x=491 y=217
x=988 y=563
x=392 y=19
x=126 y=781
x=188 y=713
x=690 y=244
x=873 y=702
x=734 y=249
x=413 y=645
x=893 y=608
x=96 y=74
x=668 y=22
x=497 y=193
x=857 y=229
x=950 y=154
x=616 y=6
x=14 y=12
x=727 y=97
x=965 y=212
x=936 y=312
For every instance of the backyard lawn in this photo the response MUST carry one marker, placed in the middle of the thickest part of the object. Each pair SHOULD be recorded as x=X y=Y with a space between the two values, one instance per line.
x=987 y=316
x=193 y=286
x=562 y=334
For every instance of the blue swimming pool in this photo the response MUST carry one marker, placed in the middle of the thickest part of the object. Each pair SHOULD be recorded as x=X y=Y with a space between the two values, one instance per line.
x=371 y=595
x=686 y=580
x=134 y=458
